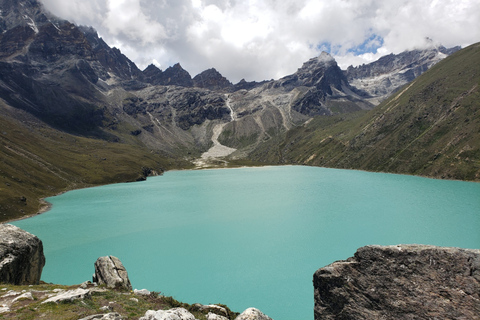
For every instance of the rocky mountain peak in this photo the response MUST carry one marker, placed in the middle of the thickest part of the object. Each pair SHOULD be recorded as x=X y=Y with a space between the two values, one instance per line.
x=174 y=75
x=211 y=79
x=322 y=71
x=29 y=13
x=323 y=60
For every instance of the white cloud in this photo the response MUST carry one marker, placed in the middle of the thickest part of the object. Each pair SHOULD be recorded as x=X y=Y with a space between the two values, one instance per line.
x=127 y=18
x=263 y=39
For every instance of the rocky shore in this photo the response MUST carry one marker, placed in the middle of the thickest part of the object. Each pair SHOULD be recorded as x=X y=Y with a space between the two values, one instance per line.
x=378 y=282
x=109 y=296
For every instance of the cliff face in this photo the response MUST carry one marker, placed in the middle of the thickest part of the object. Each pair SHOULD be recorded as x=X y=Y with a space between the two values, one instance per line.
x=400 y=282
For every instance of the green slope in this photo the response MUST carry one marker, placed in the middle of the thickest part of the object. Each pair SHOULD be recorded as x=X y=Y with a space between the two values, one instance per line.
x=37 y=161
x=430 y=127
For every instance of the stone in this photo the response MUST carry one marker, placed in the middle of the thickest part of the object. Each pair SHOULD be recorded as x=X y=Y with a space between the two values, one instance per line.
x=11 y=293
x=212 y=308
x=21 y=256
x=171 y=314
x=400 y=282
x=24 y=296
x=69 y=296
x=141 y=292
x=252 y=314
x=107 y=316
x=110 y=271
x=214 y=316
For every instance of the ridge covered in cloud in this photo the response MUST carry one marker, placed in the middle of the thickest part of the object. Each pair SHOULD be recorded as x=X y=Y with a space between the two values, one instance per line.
x=265 y=39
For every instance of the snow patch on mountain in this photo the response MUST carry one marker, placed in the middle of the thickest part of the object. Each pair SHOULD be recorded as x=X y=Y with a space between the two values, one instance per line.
x=381 y=78
x=31 y=23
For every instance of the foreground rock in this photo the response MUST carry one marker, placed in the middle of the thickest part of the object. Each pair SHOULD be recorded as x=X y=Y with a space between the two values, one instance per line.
x=212 y=308
x=107 y=316
x=21 y=256
x=110 y=271
x=69 y=296
x=400 y=282
x=252 y=314
x=172 y=314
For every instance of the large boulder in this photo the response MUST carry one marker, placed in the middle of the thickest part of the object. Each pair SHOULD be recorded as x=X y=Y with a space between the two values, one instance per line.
x=400 y=282
x=252 y=314
x=21 y=256
x=110 y=271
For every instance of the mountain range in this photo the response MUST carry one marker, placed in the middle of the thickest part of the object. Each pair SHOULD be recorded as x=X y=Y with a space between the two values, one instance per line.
x=76 y=112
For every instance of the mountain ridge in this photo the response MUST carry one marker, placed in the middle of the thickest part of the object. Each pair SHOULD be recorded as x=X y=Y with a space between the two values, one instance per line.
x=61 y=83
x=429 y=128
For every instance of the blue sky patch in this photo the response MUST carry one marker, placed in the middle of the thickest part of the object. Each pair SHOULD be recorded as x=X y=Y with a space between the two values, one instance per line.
x=370 y=45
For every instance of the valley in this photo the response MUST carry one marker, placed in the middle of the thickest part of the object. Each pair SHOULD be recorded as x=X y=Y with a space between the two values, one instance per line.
x=76 y=112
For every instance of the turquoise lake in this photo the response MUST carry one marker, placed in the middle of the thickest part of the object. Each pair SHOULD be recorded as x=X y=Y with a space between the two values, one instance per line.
x=248 y=237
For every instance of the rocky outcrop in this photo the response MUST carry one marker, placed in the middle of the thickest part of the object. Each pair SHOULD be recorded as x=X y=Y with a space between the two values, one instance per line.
x=110 y=271
x=213 y=316
x=252 y=314
x=69 y=296
x=400 y=282
x=21 y=256
x=172 y=314
x=212 y=308
x=104 y=316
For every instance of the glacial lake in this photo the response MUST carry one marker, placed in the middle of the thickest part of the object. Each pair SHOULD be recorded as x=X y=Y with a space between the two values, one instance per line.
x=248 y=237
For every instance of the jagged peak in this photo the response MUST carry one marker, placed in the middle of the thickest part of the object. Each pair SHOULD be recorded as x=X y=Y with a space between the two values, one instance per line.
x=323 y=60
x=177 y=66
x=29 y=13
x=88 y=30
x=325 y=57
x=211 y=79
x=151 y=67
x=210 y=72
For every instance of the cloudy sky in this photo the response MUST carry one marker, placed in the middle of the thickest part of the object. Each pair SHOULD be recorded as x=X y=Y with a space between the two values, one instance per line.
x=267 y=39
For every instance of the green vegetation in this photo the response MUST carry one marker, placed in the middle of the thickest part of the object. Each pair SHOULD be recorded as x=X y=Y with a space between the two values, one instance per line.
x=38 y=161
x=431 y=127
x=125 y=303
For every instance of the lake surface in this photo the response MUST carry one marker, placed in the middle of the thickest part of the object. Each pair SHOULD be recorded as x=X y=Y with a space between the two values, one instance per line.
x=250 y=236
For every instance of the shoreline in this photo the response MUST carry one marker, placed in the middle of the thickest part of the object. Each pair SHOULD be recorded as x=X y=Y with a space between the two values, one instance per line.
x=45 y=206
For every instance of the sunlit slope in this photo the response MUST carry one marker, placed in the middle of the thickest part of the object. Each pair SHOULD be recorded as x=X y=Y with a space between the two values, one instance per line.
x=38 y=161
x=430 y=127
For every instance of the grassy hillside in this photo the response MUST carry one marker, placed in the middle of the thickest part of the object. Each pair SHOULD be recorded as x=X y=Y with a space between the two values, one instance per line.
x=430 y=127
x=38 y=161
